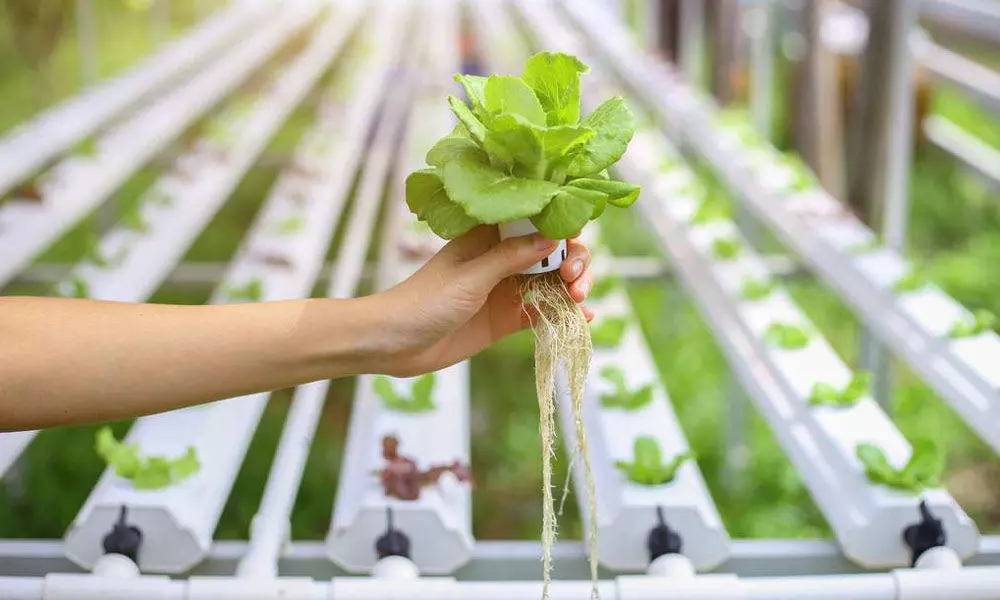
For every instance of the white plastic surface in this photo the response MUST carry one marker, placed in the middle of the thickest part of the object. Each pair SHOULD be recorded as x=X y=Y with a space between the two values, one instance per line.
x=12 y=444
x=80 y=183
x=30 y=145
x=526 y=227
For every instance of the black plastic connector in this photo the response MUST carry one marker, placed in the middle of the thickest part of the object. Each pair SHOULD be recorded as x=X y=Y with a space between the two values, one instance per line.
x=393 y=542
x=921 y=537
x=662 y=539
x=123 y=538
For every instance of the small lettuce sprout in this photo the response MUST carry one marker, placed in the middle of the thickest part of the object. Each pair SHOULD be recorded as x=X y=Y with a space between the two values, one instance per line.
x=923 y=470
x=86 y=147
x=804 y=179
x=145 y=473
x=624 y=397
x=419 y=401
x=608 y=332
x=290 y=225
x=754 y=289
x=647 y=466
x=825 y=394
x=251 y=291
x=604 y=286
x=726 y=248
x=76 y=288
x=982 y=321
x=787 y=336
x=710 y=210
x=865 y=247
x=132 y=219
x=913 y=280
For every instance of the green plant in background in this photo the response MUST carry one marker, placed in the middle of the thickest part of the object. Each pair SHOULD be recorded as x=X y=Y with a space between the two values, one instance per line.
x=145 y=473
x=420 y=399
x=923 y=470
x=604 y=286
x=804 y=177
x=710 y=209
x=608 y=332
x=160 y=197
x=133 y=220
x=648 y=467
x=77 y=288
x=726 y=248
x=754 y=289
x=86 y=147
x=624 y=397
x=251 y=291
x=290 y=225
x=982 y=321
x=521 y=151
x=911 y=281
x=866 y=247
x=825 y=394
x=787 y=336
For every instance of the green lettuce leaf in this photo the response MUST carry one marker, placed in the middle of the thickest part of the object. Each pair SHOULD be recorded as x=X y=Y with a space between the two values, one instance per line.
x=555 y=79
x=426 y=198
x=568 y=211
x=507 y=94
x=614 y=126
x=489 y=195
x=619 y=193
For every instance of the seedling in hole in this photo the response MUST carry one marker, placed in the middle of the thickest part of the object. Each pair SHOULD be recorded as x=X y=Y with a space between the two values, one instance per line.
x=132 y=219
x=93 y=254
x=86 y=147
x=252 y=291
x=805 y=179
x=145 y=473
x=726 y=248
x=709 y=210
x=825 y=394
x=913 y=280
x=923 y=470
x=290 y=225
x=982 y=321
x=865 y=247
x=604 y=286
x=274 y=260
x=647 y=466
x=420 y=399
x=756 y=289
x=623 y=396
x=76 y=288
x=787 y=336
x=608 y=332
x=403 y=480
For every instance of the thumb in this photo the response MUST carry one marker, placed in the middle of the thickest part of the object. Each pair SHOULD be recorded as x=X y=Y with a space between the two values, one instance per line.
x=509 y=257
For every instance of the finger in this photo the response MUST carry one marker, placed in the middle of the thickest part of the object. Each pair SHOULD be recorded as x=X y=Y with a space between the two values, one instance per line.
x=509 y=257
x=469 y=245
x=588 y=313
x=577 y=261
x=580 y=289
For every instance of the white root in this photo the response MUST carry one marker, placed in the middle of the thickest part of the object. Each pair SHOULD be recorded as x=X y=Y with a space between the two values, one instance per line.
x=562 y=339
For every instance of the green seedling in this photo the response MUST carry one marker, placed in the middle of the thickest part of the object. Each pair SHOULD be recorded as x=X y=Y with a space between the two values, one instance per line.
x=982 y=321
x=420 y=399
x=86 y=147
x=145 y=473
x=756 y=289
x=804 y=179
x=647 y=466
x=726 y=248
x=624 y=397
x=92 y=254
x=160 y=197
x=251 y=291
x=604 y=286
x=825 y=394
x=924 y=469
x=77 y=288
x=290 y=225
x=608 y=332
x=787 y=336
x=913 y=280
x=865 y=247
x=710 y=209
x=133 y=220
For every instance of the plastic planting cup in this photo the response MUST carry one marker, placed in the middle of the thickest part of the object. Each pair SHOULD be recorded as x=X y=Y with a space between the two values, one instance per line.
x=526 y=227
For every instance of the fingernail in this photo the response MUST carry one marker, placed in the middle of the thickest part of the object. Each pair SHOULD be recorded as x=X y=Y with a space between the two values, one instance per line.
x=544 y=243
x=575 y=268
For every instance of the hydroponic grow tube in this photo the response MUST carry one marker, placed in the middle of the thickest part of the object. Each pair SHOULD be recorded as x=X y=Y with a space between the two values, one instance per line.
x=966 y=372
x=438 y=523
x=77 y=185
x=973 y=153
x=627 y=511
x=178 y=521
x=28 y=147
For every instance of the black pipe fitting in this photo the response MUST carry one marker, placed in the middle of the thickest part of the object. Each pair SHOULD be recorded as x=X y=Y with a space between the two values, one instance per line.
x=662 y=539
x=921 y=537
x=123 y=538
x=393 y=542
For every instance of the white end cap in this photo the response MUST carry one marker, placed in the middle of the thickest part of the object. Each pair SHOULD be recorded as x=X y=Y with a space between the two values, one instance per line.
x=526 y=227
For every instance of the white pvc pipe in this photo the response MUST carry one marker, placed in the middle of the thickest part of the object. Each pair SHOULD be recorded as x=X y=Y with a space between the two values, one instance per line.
x=21 y=588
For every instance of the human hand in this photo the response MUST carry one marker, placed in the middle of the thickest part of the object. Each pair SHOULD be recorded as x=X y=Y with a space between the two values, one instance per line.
x=465 y=298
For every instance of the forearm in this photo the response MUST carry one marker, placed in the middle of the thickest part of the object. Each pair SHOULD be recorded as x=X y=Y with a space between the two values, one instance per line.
x=71 y=361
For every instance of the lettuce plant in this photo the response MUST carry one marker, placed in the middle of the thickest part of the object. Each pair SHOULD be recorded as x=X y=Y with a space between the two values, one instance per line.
x=911 y=281
x=290 y=225
x=804 y=178
x=624 y=397
x=826 y=394
x=982 y=321
x=145 y=473
x=726 y=248
x=78 y=288
x=608 y=332
x=132 y=219
x=865 y=247
x=604 y=286
x=420 y=399
x=922 y=471
x=787 y=336
x=521 y=151
x=251 y=291
x=756 y=289
x=648 y=467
